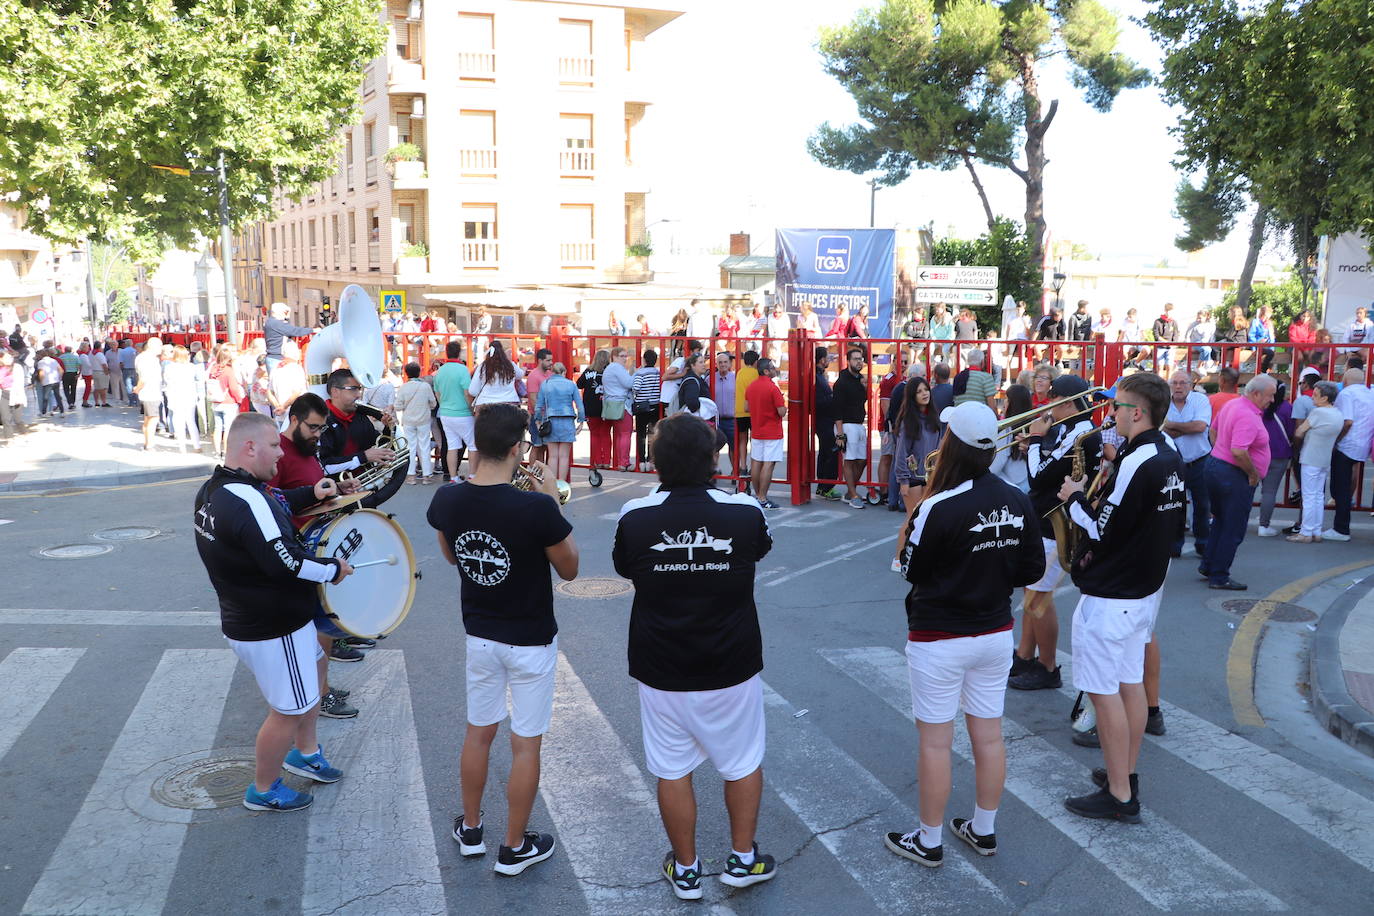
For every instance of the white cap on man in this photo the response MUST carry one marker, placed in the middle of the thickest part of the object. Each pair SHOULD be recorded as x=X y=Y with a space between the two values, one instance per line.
x=972 y=423
x=279 y=310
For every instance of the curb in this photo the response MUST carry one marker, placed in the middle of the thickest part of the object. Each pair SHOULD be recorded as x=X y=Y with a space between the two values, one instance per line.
x=1332 y=703
x=96 y=481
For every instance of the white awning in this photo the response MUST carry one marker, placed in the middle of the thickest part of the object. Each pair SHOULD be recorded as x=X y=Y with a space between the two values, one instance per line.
x=519 y=300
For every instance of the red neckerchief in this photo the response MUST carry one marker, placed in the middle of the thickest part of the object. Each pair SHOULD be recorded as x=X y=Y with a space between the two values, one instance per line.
x=349 y=447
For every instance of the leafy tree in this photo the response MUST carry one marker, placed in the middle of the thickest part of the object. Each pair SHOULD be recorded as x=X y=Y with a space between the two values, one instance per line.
x=1284 y=301
x=944 y=83
x=1004 y=247
x=122 y=309
x=93 y=94
x=111 y=269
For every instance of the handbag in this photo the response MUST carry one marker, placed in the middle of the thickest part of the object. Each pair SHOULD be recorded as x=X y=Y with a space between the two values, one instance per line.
x=612 y=409
x=545 y=428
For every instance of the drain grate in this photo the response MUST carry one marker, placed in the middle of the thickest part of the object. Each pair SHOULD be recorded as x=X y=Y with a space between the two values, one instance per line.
x=75 y=551
x=1283 y=612
x=594 y=587
x=213 y=782
x=128 y=533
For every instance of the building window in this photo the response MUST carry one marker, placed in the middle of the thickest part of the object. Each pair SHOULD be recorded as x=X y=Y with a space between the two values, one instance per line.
x=479 y=246
x=405 y=216
x=404 y=129
x=401 y=29
x=338 y=241
x=477 y=143
x=476 y=46
x=353 y=240
x=348 y=159
x=575 y=52
x=370 y=151
x=576 y=233
x=577 y=158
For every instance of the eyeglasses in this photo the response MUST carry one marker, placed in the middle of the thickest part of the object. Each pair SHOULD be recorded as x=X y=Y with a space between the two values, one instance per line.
x=1117 y=405
x=315 y=427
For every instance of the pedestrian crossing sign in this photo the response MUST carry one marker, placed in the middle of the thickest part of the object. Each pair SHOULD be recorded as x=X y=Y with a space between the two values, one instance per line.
x=394 y=301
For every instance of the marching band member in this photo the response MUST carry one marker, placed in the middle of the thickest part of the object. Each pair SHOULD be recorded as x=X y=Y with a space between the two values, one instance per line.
x=974 y=539
x=1049 y=458
x=349 y=440
x=1120 y=571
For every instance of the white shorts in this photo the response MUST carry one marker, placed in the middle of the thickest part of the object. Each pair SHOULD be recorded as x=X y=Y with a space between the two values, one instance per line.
x=968 y=671
x=856 y=441
x=888 y=447
x=458 y=432
x=684 y=727
x=1109 y=637
x=765 y=449
x=284 y=668
x=1053 y=572
x=527 y=670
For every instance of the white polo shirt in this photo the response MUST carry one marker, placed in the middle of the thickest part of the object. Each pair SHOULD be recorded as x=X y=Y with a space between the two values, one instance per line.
x=1195 y=407
x=1356 y=404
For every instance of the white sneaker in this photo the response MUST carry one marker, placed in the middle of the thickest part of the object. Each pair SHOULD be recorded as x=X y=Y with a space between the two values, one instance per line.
x=1331 y=534
x=1267 y=532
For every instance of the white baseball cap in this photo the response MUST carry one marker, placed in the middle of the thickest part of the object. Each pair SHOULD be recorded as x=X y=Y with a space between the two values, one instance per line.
x=973 y=423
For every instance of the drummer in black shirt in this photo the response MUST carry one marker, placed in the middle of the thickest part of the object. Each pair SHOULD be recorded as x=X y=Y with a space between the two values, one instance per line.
x=695 y=647
x=503 y=541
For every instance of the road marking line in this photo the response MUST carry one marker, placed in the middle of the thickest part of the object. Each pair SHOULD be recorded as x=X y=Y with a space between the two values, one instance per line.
x=835 y=559
x=604 y=809
x=1042 y=776
x=373 y=830
x=178 y=713
x=1240 y=660
x=60 y=617
x=847 y=809
x=31 y=677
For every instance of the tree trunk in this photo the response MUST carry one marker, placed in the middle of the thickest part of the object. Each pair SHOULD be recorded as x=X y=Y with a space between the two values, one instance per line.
x=1034 y=173
x=982 y=195
x=1247 y=274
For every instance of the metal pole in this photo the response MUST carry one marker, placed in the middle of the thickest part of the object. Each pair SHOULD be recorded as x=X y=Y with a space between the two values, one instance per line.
x=872 y=200
x=90 y=289
x=226 y=250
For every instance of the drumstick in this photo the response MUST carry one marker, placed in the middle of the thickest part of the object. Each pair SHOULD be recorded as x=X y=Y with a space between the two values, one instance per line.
x=389 y=561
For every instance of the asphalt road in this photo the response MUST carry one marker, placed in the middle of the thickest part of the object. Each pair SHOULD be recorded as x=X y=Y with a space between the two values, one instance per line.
x=112 y=689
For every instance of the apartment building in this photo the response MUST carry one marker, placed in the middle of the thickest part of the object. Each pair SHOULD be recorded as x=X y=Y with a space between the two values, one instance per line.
x=495 y=151
x=38 y=277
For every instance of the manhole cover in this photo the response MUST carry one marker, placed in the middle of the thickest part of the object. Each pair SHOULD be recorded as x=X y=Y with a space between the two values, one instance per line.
x=74 y=551
x=131 y=533
x=1283 y=612
x=594 y=588
x=213 y=782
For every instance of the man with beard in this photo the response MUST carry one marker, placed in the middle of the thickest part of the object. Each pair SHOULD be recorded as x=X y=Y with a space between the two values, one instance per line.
x=299 y=467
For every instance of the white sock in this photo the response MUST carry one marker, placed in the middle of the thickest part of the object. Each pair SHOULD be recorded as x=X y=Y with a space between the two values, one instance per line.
x=983 y=820
x=931 y=836
x=696 y=864
x=746 y=858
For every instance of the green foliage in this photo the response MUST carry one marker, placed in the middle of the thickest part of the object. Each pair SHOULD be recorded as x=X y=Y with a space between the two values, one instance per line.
x=1209 y=211
x=404 y=152
x=1284 y=301
x=110 y=268
x=640 y=249
x=1005 y=247
x=415 y=250
x=122 y=309
x=93 y=93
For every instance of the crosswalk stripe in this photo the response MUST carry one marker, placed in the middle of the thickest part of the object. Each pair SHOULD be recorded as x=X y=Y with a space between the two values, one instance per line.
x=30 y=676
x=1324 y=809
x=371 y=837
x=605 y=812
x=178 y=713
x=64 y=617
x=847 y=809
x=1041 y=776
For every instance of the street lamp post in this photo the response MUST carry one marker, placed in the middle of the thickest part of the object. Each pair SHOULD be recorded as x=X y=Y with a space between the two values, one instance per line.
x=1058 y=284
x=226 y=247
x=872 y=201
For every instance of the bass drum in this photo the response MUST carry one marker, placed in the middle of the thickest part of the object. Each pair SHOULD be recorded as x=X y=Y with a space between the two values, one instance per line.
x=372 y=601
x=394 y=481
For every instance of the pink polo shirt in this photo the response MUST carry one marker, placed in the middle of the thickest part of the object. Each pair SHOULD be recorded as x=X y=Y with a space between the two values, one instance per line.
x=1241 y=425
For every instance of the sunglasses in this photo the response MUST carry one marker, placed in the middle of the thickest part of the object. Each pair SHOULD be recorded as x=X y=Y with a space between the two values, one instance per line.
x=350 y=388
x=1117 y=405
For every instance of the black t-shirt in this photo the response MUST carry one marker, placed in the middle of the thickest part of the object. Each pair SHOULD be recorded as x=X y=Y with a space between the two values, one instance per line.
x=499 y=534
x=691 y=552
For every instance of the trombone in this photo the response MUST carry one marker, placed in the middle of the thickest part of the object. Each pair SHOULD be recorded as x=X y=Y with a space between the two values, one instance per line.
x=1021 y=421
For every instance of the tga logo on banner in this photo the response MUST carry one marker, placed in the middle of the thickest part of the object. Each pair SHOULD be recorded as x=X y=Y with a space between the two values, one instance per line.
x=832 y=254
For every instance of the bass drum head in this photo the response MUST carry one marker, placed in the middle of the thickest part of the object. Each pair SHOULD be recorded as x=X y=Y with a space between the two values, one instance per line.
x=373 y=601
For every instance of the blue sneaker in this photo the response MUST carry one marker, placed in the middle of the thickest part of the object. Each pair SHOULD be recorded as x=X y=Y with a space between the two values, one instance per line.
x=313 y=767
x=280 y=797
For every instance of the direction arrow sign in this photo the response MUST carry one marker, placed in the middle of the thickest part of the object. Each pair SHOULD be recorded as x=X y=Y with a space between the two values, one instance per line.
x=957 y=277
x=956 y=296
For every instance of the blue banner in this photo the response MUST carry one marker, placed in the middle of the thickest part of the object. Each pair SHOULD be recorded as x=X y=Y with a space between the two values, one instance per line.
x=830 y=268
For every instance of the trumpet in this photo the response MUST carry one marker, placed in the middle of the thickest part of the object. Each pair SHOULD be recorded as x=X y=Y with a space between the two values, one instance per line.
x=526 y=479
x=377 y=475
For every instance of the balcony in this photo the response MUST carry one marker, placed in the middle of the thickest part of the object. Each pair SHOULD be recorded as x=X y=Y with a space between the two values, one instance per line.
x=19 y=240
x=577 y=163
x=577 y=254
x=405 y=77
x=409 y=176
x=477 y=162
x=412 y=270
x=374 y=256
x=477 y=65
x=576 y=71
x=479 y=253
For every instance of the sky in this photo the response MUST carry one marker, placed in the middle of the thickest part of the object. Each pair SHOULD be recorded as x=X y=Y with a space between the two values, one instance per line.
x=739 y=86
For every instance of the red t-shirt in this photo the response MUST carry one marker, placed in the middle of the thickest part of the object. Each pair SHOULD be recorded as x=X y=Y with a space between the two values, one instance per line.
x=887 y=383
x=296 y=470
x=764 y=399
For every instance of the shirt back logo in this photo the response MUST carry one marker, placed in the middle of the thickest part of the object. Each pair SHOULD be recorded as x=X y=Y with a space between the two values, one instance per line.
x=997 y=521
x=482 y=558
x=692 y=541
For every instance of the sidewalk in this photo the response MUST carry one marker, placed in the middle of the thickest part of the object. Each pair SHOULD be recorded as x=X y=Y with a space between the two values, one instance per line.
x=92 y=447
x=1342 y=667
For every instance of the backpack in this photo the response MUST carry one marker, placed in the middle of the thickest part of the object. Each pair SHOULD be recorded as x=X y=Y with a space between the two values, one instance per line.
x=214 y=389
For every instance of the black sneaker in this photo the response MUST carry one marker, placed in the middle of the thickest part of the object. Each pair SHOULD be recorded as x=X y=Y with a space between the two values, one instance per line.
x=1087 y=739
x=1154 y=725
x=333 y=706
x=737 y=874
x=340 y=692
x=686 y=884
x=341 y=651
x=908 y=845
x=1293 y=529
x=1102 y=805
x=963 y=829
x=536 y=848
x=1100 y=780
x=469 y=839
x=360 y=642
x=1019 y=665
x=1037 y=677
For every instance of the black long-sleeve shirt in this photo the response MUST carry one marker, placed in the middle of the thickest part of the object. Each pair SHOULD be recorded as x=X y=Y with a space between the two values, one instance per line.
x=850 y=397
x=1132 y=530
x=264 y=576
x=345 y=438
x=969 y=548
x=825 y=399
x=1080 y=326
x=1049 y=461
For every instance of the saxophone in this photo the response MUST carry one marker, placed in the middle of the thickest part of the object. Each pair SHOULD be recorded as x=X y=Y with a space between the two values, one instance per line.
x=1066 y=534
